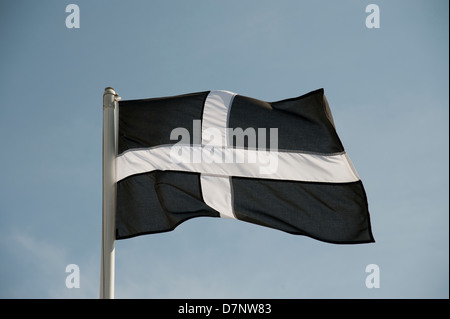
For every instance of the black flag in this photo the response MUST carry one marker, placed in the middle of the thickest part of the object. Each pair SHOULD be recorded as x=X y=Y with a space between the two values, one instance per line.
x=218 y=154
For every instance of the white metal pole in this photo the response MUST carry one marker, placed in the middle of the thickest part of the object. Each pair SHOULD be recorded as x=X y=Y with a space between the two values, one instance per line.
x=109 y=194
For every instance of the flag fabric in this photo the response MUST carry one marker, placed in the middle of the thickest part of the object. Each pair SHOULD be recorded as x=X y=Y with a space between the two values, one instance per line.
x=219 y=154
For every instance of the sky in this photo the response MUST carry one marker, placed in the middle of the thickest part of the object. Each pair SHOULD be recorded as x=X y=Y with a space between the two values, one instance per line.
x=387 y=88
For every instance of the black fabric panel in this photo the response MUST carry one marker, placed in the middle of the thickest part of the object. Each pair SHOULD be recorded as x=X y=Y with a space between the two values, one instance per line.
x=157 y=202
x=336 y=213
x=303 y=123
x=149 y=122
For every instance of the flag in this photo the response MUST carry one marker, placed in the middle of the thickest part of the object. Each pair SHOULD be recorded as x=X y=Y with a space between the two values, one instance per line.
x=219 y=154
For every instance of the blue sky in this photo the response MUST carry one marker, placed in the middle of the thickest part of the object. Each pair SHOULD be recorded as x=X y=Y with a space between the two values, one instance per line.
x=387 y=89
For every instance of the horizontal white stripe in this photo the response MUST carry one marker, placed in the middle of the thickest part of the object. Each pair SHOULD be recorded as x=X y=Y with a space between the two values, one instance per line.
x=237 y=162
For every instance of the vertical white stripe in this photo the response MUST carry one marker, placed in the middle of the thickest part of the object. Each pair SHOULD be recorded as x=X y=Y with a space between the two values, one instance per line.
x=215 y=115
x=216 y=190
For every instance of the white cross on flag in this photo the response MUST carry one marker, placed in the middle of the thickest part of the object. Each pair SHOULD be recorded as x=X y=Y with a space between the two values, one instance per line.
x=219 y=154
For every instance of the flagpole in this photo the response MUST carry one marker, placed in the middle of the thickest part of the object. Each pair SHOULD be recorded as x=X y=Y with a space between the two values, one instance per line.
x=109 y=194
